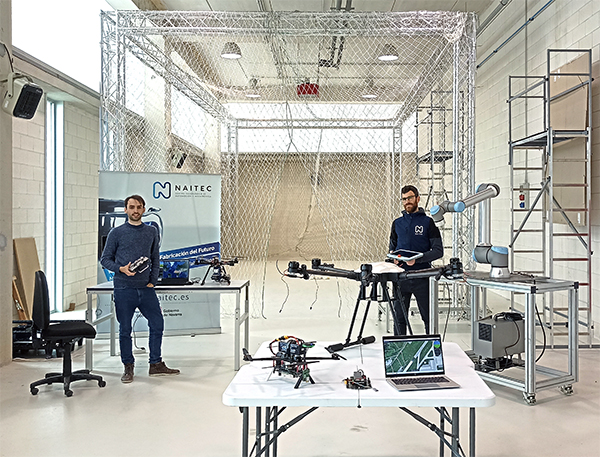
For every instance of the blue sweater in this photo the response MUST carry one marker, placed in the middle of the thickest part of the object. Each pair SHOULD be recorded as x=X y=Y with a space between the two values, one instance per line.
x=417 y=232
x=127 y=243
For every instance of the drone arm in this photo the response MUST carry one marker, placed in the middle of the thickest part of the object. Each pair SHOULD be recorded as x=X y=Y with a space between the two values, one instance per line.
x=297 y=270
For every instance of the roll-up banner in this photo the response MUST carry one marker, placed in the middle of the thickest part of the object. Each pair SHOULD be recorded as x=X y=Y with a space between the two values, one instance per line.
x=185 y=209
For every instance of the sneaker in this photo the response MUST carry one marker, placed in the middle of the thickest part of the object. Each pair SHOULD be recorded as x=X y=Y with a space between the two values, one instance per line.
x=160 y=369
x=128 y=374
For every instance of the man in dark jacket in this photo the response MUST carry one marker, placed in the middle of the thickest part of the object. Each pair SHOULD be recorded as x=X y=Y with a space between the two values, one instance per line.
x=414 y=231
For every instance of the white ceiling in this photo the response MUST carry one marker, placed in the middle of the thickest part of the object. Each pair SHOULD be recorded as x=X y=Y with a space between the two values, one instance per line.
x=476 y=6
x=265 y=65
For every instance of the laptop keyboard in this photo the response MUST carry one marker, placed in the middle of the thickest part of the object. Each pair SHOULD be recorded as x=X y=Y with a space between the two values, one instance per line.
x=429 y=379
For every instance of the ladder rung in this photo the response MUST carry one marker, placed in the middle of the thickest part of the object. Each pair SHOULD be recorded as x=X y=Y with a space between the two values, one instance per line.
x=569 y=184
x=571 y=160
x=579 y=210
x=528 y=230
x=527 y=168
x=570 y=259
x=522 y=210
x=566 y=308
x=569 y=234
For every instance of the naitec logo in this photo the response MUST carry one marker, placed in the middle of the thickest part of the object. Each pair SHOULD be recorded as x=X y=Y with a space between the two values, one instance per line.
x=167 y=190
x=161 y=190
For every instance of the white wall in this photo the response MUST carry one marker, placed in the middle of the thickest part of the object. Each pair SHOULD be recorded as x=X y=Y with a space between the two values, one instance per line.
x=82 y=153
x=563 y=25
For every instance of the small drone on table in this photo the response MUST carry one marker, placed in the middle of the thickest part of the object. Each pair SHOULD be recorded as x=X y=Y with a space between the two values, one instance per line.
x=290 y=358
x=218 y=267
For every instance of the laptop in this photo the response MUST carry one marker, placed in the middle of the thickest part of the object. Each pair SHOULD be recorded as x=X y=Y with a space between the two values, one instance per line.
x=415 y=362
x=174 y=272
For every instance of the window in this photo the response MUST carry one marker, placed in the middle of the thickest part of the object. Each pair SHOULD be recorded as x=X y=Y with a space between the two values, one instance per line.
x=54 y=201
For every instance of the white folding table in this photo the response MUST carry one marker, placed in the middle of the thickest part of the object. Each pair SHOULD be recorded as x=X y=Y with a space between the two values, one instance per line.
x=254 y=386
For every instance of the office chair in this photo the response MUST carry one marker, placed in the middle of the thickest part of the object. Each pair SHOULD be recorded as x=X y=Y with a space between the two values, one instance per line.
x=61 y=336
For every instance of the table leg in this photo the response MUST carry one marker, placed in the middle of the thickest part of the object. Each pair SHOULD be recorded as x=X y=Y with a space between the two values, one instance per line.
x=471 y=432
x=530 y=349
x=275 y=427
x=258 y=442
x=455 y=430
x=236 y=344
x=247 y=314
x=113 y=327
x=267 y=430
x=245 y=430
x=442 y=427
x=89 y=342
x=434 y=305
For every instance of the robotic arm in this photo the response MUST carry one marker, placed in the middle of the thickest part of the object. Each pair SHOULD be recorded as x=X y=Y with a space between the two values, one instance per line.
x=484 y=252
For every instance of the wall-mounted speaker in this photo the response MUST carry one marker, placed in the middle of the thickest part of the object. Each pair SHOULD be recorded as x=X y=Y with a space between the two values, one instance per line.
x=21 y=97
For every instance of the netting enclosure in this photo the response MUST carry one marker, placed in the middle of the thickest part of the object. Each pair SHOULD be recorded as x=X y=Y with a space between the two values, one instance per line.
x=313 y=120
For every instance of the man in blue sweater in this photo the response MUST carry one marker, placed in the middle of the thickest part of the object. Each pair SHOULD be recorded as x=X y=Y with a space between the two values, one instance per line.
x=125 y=244
x=414 y=231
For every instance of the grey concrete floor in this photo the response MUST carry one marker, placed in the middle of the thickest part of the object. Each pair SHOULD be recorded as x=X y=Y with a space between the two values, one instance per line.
x=184 y=415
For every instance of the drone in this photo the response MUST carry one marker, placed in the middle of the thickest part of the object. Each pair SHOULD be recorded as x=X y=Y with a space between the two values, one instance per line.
x=290 y=358
x=372 y=274
x=218 y=266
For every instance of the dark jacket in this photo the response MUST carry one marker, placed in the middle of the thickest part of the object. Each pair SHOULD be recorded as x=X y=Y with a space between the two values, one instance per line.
x=417 y=232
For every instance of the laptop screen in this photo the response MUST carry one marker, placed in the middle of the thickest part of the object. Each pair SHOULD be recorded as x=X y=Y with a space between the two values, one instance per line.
x=413 y=355
x=170 y=270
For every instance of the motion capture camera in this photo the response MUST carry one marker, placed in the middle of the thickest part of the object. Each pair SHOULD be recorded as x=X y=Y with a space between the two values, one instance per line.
x=141 y=264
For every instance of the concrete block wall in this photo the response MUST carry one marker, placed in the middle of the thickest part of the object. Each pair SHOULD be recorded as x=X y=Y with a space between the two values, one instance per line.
x=81 y=140
x=563 y=25
x=82 y=152
x=29 y=168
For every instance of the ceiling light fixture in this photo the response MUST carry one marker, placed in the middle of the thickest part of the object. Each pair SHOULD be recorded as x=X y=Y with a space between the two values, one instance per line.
x=369 y=92
x=388 y=53
x=231 y=51
x=252 y=91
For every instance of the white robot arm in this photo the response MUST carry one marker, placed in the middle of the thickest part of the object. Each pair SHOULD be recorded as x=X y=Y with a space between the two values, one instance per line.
x=484 y=252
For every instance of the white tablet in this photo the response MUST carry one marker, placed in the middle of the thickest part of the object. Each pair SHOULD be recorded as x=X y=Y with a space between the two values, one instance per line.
x=404 y=255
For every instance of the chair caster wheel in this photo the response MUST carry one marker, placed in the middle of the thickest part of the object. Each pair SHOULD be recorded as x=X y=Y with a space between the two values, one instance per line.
x=69 y=393
x=34 y=390
x=101 y=383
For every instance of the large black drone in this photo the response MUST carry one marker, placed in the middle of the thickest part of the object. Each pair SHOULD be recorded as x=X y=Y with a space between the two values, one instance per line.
x=217 y=265
x=291 y=359
x=372 y=274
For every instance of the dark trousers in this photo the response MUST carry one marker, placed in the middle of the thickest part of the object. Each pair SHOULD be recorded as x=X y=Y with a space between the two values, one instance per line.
x=144 y=299
x=420 y=289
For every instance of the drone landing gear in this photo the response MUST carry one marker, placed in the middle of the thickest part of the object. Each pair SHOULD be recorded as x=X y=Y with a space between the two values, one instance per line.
x=304 y=377
x=362 y=296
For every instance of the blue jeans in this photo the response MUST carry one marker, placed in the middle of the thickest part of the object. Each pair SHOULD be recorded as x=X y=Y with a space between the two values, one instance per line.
x=144 y=299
